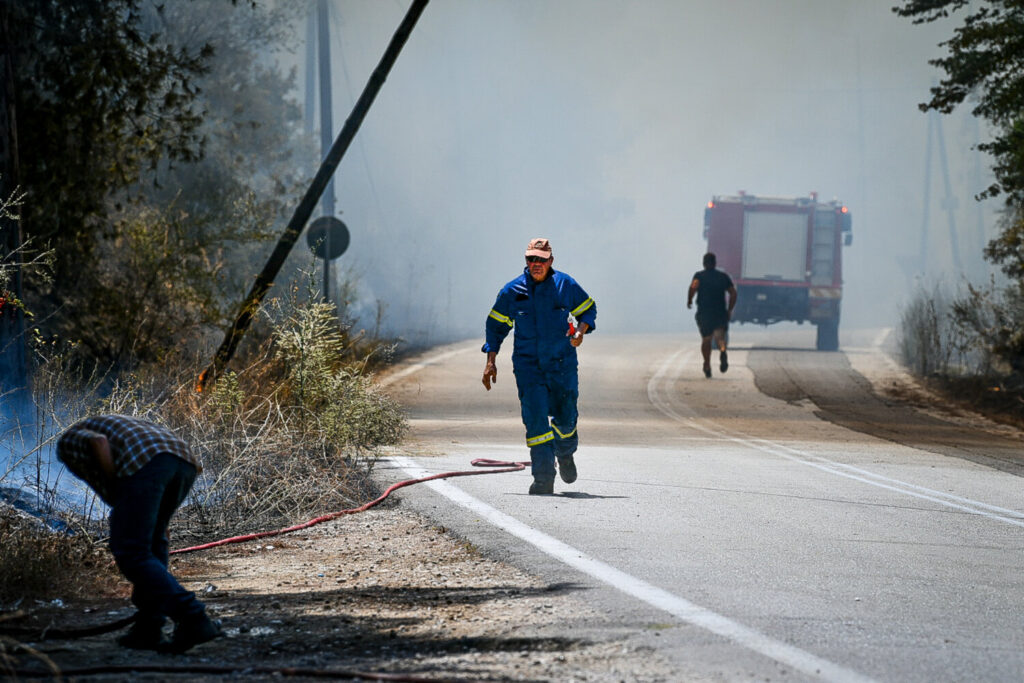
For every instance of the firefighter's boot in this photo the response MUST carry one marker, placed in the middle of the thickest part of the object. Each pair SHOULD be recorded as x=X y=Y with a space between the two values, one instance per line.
x=542 y=487
x=567 y=469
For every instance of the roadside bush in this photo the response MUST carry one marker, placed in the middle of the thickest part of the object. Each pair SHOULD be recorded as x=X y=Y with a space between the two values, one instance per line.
x=928 y=341
x=330 y=395
x=993 y=318
x=971 y=346
x=266 y=469
x=294 y=433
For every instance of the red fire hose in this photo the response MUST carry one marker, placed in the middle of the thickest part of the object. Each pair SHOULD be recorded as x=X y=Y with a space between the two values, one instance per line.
x=507 y=466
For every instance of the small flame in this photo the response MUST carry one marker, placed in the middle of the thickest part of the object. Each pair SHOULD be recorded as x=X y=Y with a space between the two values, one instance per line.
x=201 y=381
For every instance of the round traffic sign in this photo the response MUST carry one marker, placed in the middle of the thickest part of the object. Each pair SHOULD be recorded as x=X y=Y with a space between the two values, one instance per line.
x=317 y=237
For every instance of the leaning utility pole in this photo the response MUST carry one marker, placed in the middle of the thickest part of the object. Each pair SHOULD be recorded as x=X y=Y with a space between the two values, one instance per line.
x=302 y=213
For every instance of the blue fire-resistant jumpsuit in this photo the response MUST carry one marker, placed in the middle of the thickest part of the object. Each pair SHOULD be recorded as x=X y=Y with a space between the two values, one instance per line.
x=543 y=360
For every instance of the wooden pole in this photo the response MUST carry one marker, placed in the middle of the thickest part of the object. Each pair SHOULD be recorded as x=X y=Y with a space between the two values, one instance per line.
x=302 y=213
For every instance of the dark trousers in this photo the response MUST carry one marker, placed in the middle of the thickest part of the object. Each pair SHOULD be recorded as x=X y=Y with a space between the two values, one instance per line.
x=142 y=509
x=548 y=404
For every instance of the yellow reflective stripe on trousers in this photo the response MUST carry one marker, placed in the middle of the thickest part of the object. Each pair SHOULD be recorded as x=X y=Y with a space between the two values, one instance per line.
x=500 y=318
x=561 y=435
x=582 y=307
x=538 y=440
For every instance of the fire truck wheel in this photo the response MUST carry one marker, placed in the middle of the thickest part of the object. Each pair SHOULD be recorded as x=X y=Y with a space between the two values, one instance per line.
x=828 y=335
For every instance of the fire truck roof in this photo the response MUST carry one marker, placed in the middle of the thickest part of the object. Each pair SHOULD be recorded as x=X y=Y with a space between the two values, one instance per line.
x=744 y=198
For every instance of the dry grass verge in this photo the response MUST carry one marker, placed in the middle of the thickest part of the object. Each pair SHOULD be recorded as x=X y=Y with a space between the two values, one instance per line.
x=38 y=563
x=293 y=435
x=996 y=401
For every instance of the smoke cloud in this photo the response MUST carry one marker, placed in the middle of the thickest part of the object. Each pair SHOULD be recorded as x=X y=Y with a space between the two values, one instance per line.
x=607 y=126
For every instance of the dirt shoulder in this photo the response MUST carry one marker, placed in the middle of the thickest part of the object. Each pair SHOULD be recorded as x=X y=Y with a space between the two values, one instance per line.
x=940 y=416
x=382 y=591
x=977 y=406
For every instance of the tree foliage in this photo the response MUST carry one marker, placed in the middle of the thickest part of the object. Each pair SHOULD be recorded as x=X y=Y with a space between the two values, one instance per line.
x=990 y=317
x=164 y=156
x=98 y=101
x=985 y=64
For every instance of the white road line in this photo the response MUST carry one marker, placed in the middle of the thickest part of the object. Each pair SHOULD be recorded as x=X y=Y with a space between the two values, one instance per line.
x=657 y=392
x=656 y=597
x=415 y=367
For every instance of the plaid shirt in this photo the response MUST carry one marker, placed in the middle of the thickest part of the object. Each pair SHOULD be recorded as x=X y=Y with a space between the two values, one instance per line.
x=133 y=443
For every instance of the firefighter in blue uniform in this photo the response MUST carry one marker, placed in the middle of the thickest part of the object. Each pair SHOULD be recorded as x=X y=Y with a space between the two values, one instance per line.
x=550 y=313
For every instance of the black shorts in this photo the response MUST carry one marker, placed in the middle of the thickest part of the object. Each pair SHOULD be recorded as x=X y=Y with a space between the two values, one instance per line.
x=708 y=322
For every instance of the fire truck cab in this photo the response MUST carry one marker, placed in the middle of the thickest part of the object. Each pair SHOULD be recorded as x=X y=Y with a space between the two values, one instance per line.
x=784 y=255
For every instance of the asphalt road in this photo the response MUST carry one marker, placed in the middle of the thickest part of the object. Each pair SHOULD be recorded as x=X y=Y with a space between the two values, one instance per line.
x=777 y=522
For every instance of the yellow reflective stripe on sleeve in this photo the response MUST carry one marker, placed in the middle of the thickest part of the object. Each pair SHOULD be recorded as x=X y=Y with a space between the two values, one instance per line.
x=583 y=306
x=500 y=318
x=561 y=435
x=538 y=440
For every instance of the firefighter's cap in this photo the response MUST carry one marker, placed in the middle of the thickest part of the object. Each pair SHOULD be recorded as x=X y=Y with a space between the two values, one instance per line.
x=539 y=246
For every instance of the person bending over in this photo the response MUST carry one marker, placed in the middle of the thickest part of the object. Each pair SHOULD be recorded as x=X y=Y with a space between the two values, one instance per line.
x=143 y=472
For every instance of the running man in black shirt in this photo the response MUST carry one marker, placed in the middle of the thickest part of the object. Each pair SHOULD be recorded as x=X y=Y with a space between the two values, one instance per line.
x=713 y=315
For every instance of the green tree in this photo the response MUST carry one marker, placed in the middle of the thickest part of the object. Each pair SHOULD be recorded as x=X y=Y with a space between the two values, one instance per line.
x=257 y=158
x=193 y=165
x=98 y=100
x=177 y=260
x=985 y=64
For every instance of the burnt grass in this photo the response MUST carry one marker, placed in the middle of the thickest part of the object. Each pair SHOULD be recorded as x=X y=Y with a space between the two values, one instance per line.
x=999 y=400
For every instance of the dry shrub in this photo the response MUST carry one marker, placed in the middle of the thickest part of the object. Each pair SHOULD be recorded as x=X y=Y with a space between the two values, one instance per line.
x=978 y=333
x=294 y=434
x=970 y=346
x=992 y=320
x=267 y=468
x=928 y=341
x=39 y=563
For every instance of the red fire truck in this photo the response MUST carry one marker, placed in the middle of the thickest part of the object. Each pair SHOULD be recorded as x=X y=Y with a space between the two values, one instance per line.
x=784 y=255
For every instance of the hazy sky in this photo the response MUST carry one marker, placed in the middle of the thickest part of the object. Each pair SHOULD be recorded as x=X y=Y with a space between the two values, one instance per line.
x=607 y=126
